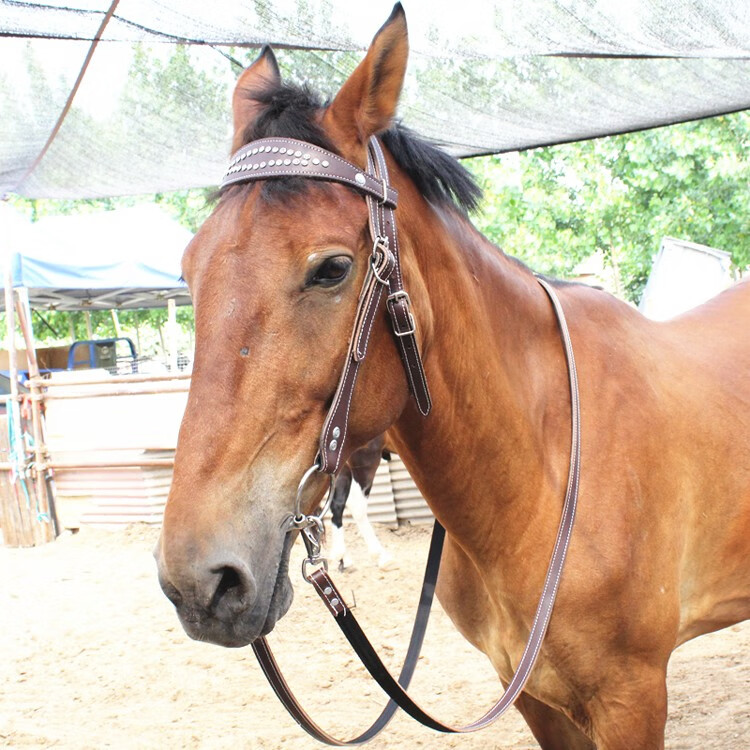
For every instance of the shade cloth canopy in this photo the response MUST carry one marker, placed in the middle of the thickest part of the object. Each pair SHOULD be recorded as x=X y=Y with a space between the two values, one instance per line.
x=153 y=110
x=122 y=259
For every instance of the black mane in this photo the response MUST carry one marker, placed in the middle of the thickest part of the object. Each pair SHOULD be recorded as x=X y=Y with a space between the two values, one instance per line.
x=290 y=111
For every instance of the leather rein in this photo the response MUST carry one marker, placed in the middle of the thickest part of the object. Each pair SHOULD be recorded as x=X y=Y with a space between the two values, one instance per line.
x=270 y=158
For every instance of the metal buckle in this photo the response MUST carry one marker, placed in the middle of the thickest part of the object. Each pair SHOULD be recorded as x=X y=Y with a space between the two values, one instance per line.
x=394 y=299
x=311 y=525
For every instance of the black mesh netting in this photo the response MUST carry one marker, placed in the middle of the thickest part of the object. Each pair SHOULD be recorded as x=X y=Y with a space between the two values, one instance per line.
x=152 y=112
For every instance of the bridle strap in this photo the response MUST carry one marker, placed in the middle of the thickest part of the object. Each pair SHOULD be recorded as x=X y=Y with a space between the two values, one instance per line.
x=270 y=158
x=383 y=219
x=349 y=626
x=382 y=222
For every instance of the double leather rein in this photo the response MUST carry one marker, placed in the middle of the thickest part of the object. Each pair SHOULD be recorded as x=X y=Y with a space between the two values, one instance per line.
x=284 y=157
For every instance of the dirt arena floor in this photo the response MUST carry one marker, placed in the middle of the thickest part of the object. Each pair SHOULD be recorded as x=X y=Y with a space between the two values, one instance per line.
x=92 y=656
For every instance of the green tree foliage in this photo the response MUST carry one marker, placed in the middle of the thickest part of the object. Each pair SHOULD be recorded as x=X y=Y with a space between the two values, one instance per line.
x=555 y=206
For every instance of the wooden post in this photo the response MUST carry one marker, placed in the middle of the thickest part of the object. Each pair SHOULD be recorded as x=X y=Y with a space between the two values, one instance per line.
x=44 y=499
x=116 y=321
x=136 y=317
x=27 y=533
x=160 y=328
x=89 y=330
x=12 y=521
x=172 y=333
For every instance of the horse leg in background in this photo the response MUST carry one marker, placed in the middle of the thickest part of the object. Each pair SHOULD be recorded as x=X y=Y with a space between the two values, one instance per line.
x=364 y=464
x=358 y=507
x=337 y=552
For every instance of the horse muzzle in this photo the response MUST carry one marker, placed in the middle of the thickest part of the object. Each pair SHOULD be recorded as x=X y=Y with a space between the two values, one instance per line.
x=220 y=600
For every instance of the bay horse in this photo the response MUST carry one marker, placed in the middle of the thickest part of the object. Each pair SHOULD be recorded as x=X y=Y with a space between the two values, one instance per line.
x=661 y=548
x=360 y=469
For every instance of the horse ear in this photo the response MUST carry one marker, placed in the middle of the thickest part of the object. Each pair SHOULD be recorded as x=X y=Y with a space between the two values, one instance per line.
x=262 y=74
x=367 y=101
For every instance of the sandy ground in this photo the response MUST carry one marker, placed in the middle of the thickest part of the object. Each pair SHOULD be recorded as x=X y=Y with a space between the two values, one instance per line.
x=92 y=656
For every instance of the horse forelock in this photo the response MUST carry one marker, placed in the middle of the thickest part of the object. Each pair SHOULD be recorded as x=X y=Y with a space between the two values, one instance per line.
x=293 y=111
x=288 y=111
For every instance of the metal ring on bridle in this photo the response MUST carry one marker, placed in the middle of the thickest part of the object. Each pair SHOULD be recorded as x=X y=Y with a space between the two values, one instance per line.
x=299 y=516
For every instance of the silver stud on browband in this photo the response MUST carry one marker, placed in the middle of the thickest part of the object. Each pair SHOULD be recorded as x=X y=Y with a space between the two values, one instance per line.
x=324 y=163
x=359 y=178
x=336 y=432
x=316 y=161
x=333 y=445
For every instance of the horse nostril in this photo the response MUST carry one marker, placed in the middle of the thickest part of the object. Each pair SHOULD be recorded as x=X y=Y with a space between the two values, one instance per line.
x=235 y=590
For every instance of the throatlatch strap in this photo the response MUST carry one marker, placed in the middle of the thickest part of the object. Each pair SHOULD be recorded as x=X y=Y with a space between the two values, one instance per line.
x=383 y=218
x=395 y=688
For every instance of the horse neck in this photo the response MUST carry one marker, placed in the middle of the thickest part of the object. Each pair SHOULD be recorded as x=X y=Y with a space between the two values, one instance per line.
x=494 y=449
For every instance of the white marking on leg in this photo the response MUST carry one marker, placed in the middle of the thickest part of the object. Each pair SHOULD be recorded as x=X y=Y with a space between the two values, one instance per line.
x=357 y=504
x=338 y=545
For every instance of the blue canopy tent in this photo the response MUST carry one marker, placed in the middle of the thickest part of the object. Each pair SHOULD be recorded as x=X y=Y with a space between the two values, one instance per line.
x=122 y=259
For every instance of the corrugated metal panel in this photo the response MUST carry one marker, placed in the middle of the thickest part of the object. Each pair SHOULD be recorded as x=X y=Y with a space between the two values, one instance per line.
x=381 y=507
x=113 y=497
x=410 y=505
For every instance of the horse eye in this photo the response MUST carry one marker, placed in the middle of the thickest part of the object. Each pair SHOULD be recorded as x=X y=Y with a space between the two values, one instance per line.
x=331 y=271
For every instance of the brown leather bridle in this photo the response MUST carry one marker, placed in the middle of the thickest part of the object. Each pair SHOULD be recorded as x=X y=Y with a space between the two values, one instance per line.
x=270 y=158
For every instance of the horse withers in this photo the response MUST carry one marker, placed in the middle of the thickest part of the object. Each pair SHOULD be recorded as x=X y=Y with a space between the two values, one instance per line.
x=661 y=548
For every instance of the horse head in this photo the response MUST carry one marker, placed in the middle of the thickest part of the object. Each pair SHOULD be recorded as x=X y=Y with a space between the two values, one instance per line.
x=275 y=274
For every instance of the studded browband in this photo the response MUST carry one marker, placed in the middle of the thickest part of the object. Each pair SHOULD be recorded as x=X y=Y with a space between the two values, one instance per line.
x=270 y=158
